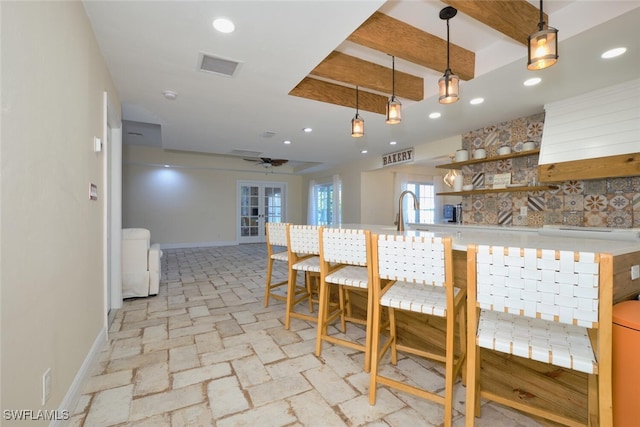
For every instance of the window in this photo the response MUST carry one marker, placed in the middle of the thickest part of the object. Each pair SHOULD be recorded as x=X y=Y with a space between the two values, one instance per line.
x=426 y=197
x=324 y=204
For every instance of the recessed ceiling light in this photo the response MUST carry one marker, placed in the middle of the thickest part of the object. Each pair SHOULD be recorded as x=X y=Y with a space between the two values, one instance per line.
x=364 y=152
x=170 y=95
x=612 y=53
x=167 y=166
x=224 y=25
x=476 y=101
x=435 y=115
x=392 y=142
x=286 y=141
x=307 y=130
x=532 y=81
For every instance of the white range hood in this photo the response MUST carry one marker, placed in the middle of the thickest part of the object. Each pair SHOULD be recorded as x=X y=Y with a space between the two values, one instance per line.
x=598 y=124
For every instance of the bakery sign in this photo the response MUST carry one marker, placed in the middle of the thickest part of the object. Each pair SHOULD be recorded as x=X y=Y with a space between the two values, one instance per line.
x=404 y=156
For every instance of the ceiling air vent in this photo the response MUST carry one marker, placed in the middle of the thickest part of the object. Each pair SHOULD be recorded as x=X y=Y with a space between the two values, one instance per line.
x=216 y=65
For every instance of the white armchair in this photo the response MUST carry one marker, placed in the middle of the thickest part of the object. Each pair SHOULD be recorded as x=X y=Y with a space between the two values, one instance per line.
x=140 y=263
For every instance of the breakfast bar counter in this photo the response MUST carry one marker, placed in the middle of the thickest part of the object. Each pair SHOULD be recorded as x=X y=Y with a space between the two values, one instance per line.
x=531 y=382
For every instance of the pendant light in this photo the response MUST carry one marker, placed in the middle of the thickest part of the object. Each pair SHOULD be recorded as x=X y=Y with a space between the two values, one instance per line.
x=543 y=46
x=394 y=107
x=449 y=84
x=357 y=123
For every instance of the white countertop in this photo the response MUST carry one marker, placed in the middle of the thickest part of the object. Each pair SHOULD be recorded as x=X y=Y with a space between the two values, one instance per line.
x=464 y=235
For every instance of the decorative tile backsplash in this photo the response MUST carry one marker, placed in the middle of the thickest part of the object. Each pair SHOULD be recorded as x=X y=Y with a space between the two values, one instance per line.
x=611 y=202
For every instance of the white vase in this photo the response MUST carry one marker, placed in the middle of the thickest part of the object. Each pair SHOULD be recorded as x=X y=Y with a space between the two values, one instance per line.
x=457 y=183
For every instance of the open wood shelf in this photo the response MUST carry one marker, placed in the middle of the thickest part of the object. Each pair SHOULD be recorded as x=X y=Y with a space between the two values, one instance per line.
x=459 y=165
x=499 y=190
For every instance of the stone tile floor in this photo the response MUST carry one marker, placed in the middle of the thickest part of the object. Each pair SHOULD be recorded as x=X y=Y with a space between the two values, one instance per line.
x=206 y=352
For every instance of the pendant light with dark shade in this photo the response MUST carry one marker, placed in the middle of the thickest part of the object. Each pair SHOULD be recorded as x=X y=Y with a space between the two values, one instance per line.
x=357 y=123
x=449 y=84
x=394 y=107
x=543 y=46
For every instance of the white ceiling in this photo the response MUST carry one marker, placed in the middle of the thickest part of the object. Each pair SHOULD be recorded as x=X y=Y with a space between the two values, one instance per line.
x=153 y=46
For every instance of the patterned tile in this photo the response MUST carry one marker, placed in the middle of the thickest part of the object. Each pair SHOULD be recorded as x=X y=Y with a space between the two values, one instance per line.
x=573 y=218
x=618 y=201
x=595 y=219
x=536 y=203
x=619 y=219
x=572 y=187
x=595 y=186
x=553 y=202
x=535 y=219
x=595 y=202
x=553 y=218
x=573 y=202
x=619 y=185
x=505 y=217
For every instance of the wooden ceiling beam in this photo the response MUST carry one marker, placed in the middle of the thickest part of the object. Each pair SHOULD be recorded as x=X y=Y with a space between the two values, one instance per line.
x=515 y=18
x=358 y=72
x=320 y=90
x=389 y=35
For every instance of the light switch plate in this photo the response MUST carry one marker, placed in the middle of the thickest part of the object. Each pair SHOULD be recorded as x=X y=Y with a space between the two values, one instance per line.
x=523 y=210
x=635 y=272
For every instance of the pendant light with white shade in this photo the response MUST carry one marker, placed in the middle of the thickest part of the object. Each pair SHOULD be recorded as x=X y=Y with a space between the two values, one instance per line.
x=449 y=84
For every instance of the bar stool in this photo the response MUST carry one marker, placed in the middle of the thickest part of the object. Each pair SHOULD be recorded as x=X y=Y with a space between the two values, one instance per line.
x=276 y=236
x=345 y=261
x=546 y=305
x=303 y=250
x=415 y=274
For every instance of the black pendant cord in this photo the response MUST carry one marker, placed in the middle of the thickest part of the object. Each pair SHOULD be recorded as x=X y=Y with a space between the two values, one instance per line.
x=448 y=69
x=393 y=77
x=541 y=23
x=356 y=101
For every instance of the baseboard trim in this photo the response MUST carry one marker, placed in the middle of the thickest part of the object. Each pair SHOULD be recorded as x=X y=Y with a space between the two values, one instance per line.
x=196 y=245
x=74 y=392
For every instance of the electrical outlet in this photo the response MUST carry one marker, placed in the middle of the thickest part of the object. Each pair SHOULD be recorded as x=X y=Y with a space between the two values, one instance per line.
x=523 y=210
x=46 y=385
x=635 y=272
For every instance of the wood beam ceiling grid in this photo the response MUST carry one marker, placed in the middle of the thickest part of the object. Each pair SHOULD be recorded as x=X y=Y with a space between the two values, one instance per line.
x=335 y=78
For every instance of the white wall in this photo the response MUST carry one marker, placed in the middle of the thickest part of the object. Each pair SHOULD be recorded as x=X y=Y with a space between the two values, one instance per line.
x=193 y=202
x=51 y=251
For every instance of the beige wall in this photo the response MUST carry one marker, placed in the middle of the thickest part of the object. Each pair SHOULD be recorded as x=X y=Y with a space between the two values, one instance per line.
x=51 y=253
x=368 y=190
x=195 y=200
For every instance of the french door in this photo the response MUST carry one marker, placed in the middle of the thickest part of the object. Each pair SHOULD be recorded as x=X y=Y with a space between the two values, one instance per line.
x=259 y=202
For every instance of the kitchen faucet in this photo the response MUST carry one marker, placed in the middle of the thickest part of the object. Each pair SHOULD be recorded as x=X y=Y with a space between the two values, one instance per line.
x=400 y=217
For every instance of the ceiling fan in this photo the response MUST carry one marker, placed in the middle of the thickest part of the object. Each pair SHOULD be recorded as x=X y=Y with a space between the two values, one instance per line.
x=267 y=162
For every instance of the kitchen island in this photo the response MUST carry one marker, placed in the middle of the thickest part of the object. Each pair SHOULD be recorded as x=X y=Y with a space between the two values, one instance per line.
x=532 y=383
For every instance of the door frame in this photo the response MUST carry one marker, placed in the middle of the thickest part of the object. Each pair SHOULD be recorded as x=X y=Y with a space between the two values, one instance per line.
x=112 y=214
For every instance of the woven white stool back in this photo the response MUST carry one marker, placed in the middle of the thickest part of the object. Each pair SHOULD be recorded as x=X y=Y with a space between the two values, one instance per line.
x=277 y=233
x=560 y=286
x=416 y=259
x=304 y=239
x=344 y=246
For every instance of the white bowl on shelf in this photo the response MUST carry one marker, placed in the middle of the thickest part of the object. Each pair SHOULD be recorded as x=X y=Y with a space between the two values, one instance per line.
x=467 y=187
x=505 y=149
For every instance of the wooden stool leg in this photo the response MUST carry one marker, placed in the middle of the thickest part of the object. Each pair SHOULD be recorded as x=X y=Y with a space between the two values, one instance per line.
x=462 y=325
x=369 y=330
x=291 y=294
x=323 y=311
x=307 y=281
x=375 y=343
x=392 y=334
x=267 y=290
